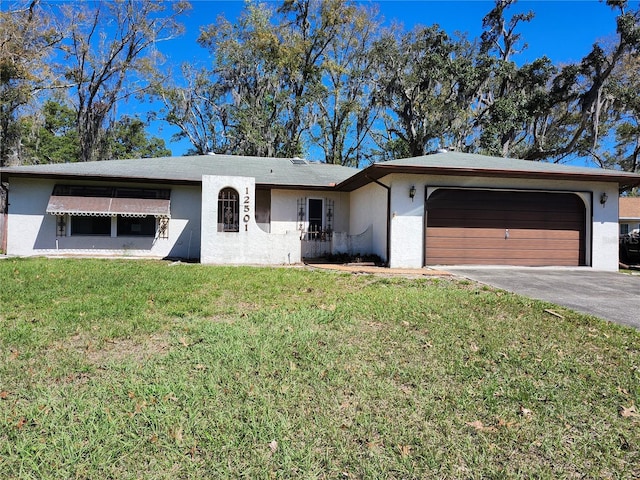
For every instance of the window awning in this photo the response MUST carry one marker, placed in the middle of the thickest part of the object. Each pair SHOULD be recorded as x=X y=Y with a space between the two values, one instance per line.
x=108 y=207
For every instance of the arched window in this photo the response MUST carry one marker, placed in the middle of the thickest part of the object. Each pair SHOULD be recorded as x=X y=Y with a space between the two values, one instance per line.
x=228 y=210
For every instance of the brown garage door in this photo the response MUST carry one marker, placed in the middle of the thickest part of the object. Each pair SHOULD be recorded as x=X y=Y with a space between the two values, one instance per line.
x=487 y=227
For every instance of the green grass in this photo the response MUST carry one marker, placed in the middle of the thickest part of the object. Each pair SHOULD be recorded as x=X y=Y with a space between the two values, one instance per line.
x=131 y=369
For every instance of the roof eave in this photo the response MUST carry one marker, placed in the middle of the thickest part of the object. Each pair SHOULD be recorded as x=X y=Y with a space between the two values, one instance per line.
x=139 y=179
x=377 y=171
x=361 y=178
x=100 y=178
x=279 y=186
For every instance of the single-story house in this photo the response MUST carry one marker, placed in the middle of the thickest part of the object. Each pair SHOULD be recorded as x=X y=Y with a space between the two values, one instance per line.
x=441 y=209
x=629 y=215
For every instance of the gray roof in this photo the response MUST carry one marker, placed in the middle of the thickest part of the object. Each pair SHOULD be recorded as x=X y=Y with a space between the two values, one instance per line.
x=473 y=161
x=467 y=164
x=294 y=173
x=284 y=172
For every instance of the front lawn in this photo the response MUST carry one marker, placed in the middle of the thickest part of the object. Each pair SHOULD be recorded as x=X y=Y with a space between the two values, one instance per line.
x=143 y=369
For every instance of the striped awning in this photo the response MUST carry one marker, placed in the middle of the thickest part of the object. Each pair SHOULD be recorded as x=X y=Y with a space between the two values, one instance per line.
x=108 y=206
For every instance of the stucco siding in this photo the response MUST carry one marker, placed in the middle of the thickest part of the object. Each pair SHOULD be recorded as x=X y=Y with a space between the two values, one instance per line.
x=369 y=213
x=285 y=204
x=605 y=228
x=407 y=223
x=184 y=226
x=28 y=227
x=251 y=244
x=33 y=232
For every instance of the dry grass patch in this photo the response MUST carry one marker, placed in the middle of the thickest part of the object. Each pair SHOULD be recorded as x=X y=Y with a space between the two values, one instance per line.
x=115 y=350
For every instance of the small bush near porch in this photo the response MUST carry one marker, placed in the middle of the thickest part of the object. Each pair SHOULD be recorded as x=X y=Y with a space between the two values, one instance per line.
x=133 y=369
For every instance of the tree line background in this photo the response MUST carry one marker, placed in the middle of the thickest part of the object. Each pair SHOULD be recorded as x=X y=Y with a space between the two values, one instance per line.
x=300 y=73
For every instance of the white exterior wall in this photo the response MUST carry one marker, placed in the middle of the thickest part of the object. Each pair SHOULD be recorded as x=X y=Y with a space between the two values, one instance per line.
x=251 y=245
x=407 y=222
x=360 y=244
x=30 y=231
x=284 y=205
x=184 y=226
x=369 y=218
x=606 y=230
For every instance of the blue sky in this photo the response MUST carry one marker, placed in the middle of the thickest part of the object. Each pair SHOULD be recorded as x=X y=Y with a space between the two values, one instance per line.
x=563 y=30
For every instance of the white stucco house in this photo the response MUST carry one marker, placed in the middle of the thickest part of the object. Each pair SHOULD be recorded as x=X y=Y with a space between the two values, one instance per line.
x=441 y=209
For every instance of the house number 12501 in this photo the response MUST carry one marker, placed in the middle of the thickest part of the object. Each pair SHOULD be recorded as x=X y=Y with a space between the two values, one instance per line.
x=247 y=208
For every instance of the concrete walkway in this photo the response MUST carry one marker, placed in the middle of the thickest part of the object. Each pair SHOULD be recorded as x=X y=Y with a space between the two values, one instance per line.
x=375 y=270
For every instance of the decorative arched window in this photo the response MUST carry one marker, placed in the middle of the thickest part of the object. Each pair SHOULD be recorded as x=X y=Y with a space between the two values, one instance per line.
x=228 y=210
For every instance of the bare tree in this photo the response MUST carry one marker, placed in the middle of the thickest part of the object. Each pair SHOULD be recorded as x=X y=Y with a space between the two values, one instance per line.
x=110 y=52
x=26 y=41
x=572 y=108
x=197 y=108
x=345 y=114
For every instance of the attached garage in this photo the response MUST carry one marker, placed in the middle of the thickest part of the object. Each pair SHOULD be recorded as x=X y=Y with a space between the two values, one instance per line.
x=495 y=227
x=454 y=208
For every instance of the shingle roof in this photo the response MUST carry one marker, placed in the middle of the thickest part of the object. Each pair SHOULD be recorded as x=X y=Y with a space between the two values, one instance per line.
x=292 y=173
x=479 y=162
x=283 y=172
x=629 y=207
x=466 y=164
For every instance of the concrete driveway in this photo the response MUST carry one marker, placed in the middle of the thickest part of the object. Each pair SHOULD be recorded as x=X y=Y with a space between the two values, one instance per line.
x=608 y=295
